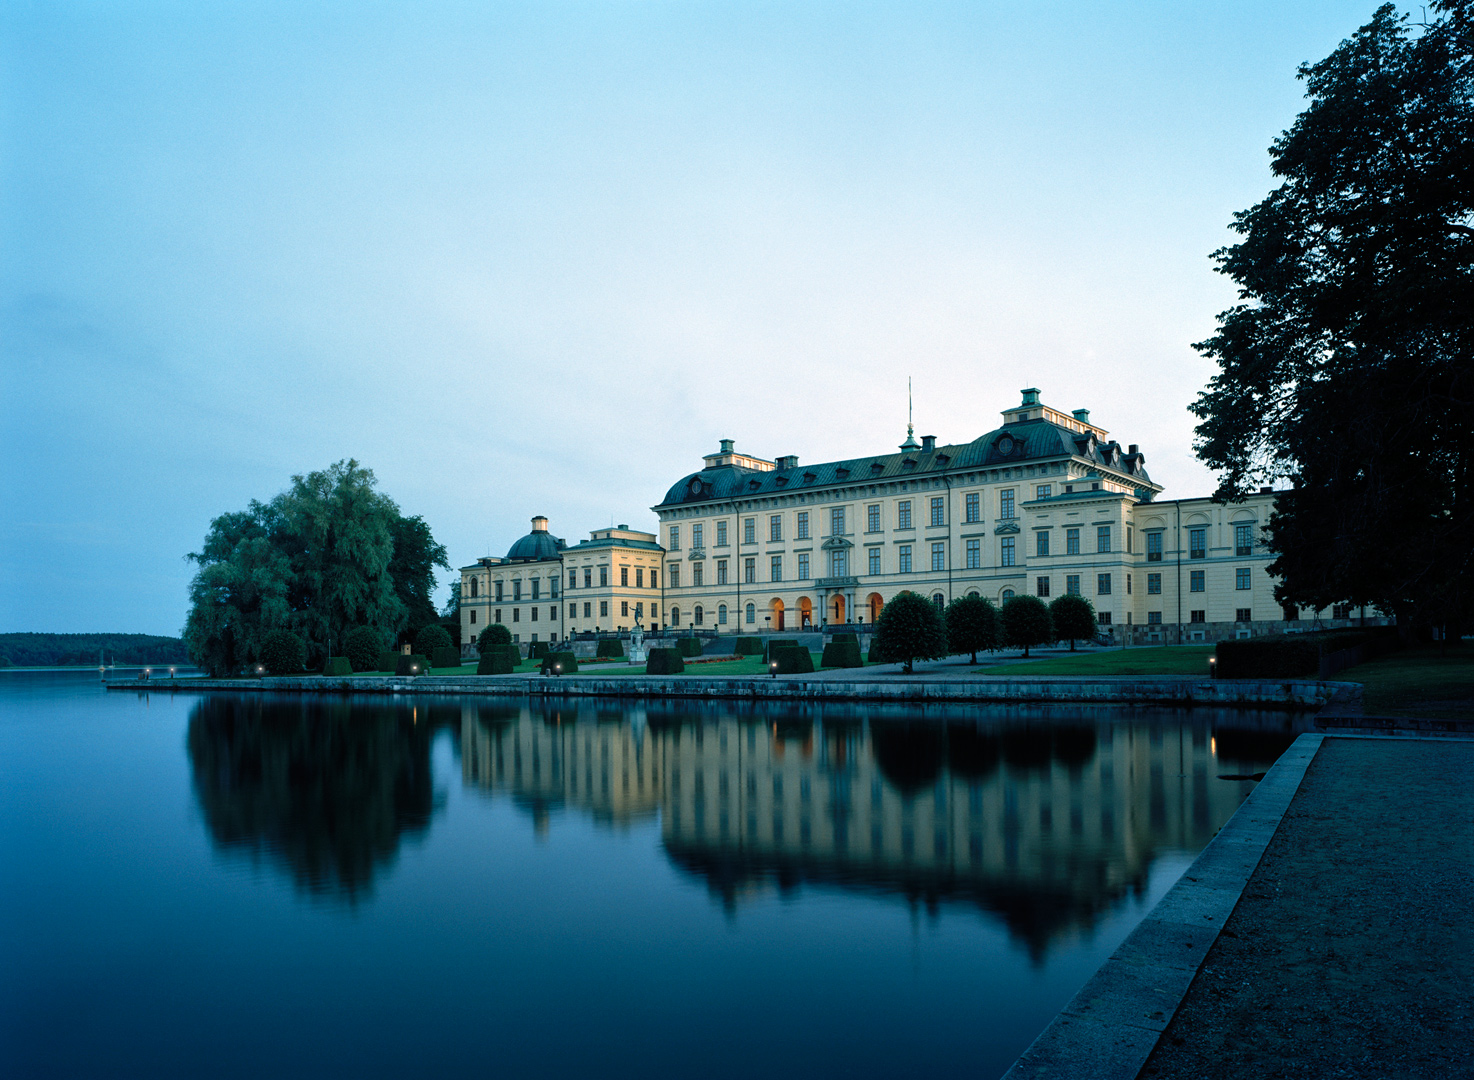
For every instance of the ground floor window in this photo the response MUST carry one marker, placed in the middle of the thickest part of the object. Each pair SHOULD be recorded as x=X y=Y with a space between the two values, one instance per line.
x=1008 y=594
x=939 y=600
x=700 y=615
x=572 y=612
x=1243 y=614
x=1041 y=586
x=721 y=614
x=498 y=614
x=1197 y=615
x=751 y=613
x=675 y=616
x=1154 y=618
x=1103 y=617
x=1072 y=584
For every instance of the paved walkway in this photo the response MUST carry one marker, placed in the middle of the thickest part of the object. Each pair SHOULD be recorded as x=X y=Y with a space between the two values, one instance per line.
x=1351 y=950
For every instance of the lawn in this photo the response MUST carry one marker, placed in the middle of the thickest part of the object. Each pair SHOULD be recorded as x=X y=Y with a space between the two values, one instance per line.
x=1422 y=682
x=1158 y=660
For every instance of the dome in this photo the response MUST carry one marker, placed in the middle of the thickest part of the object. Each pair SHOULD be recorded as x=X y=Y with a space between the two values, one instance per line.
x=538 y=544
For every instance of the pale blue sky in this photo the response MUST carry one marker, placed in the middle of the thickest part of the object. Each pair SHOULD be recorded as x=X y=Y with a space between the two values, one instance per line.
x=539 y=258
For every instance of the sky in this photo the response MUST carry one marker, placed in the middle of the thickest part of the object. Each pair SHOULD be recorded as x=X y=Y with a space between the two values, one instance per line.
x=539 y=258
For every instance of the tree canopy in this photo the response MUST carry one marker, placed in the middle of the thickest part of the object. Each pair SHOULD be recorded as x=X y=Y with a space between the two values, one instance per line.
x=909 y=629
x=1346 y=370
x=317 y=560
x=1026 y=622
x=1073 y=617
x=972 y=625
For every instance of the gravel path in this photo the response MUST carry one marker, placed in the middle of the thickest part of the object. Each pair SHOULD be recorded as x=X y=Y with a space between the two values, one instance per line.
x=1351 y=951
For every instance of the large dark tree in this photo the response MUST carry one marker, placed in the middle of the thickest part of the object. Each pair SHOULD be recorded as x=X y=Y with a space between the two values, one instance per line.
x=412 y=568
x=910 y=628
x=1348 y=368
x=972 y=625
x=1026 y=622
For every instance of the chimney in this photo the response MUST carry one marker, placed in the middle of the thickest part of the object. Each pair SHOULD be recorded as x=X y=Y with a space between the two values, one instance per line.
x=539 y=524
x=1133 y=449
x=928 y=443
x=727 y=446
x=786 y=462
x=624 y=527
x=1082 y=415
x=1031 y=395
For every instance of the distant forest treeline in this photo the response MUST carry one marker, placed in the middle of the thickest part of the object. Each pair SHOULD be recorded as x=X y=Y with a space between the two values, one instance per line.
x=46 y=650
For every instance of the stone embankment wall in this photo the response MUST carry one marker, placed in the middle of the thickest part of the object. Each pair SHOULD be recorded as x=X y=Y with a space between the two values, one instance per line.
x=1290 y=694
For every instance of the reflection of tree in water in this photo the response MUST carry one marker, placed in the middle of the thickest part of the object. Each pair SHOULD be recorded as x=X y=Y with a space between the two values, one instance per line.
x=325 y=790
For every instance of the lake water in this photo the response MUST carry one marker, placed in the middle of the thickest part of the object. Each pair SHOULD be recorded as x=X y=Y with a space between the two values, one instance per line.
x=262 y=885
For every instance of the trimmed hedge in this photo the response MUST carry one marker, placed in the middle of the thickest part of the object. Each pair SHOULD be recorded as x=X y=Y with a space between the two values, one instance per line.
x=839 y=654
x=775 y=645
x=611 y=647
x=842 y=638
x=338 y=665
x=565 y=662
x=792 y=661
x=446 y=656
x=688 y=646
x=411 y=665
x=362 y=647
x=430 y=638
x=1288 y=656
x=498 y=660
x=875 y=656
x=539 y=650
x=749 y=646
x=665 y=662
x=388 y=660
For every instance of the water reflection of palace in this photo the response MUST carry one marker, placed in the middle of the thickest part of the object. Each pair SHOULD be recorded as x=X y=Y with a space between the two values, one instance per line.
x=1046 y=824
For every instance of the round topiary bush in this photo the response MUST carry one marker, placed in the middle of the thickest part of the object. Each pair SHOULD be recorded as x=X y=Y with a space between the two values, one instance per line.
x=496 y=634
x=363 y=648
x=283 y=653
x=430 y=638
x=1026 y=622
x=337 y=665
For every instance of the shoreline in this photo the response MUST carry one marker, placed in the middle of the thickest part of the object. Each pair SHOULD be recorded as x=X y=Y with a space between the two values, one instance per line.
x=1290 y=695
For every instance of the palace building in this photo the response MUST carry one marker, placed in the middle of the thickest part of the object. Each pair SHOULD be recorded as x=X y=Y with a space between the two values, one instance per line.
x=1045 y=504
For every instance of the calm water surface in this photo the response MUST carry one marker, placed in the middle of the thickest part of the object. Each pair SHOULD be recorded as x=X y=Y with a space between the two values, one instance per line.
x=248 y=885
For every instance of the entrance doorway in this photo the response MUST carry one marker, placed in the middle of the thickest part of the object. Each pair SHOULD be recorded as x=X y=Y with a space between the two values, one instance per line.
x=776 y=610
x=876 y=604
x=836 y=610
x=805 y=612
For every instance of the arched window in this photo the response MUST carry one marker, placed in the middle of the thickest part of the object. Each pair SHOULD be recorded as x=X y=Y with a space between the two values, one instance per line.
x=939 y=600
x=1008 y=594
x=972 y=592
x=700 y=615
x=721 y=614
x=473 y=587
x=675 y=616
x=752 y=613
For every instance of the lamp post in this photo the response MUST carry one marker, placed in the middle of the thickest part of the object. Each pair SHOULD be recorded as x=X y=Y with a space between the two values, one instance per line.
x=773 y=668
x=1212 y=667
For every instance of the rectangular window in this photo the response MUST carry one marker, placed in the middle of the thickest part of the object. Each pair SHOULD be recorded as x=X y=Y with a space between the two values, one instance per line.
x=1154 y=618
x=1197 y=616
x=498 y=592
x=836 y=521
x=1195 y=581
x=1153 y=547
x=1044 y=491
x=872 y=518
x=498 y=614
x=624 y=577
x=775 y=568
x=516 y=590
x=675 y=538
x=803 y=567
x=721 y=534
x=1128 y=584
x=473 y=616
x=675 y=575
x=588 y=609
x=1072 y=541
x=1007 y=552
x=1103 y=539
x=573 y=579
x=903 y=514
x=537 y=588
x=1103 y=617
x=639 y=577
x=1041 y=586
x=697 y=575
x=803 y=524
x=516 y=614
x=904 y=555
x=775 y=527
x=1041 y=542
x=1241 y=578
x=624 y=609
x=534 y=614
x=721 y=571
x=698 y=534
x=749 y=571
x=654 y=578
x=839 y=564
x=939 y=556
x=874 y=561
x=1154 y=584
x=1197 y=543
x=974 y=554
x=973 y=508
x=604 y=577
x=588 y=577
x=1072 y=584
x=1102 y=584
x=1243 y=539
x=604 y=609
x=1005 y=503
x=938 y=511
x=749 y=530
x=1243 y=614
x=1340 y=611
x=722 y=615
x=572 y=611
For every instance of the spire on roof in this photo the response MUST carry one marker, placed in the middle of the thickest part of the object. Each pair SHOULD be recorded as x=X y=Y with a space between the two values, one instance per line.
x=910 y=443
